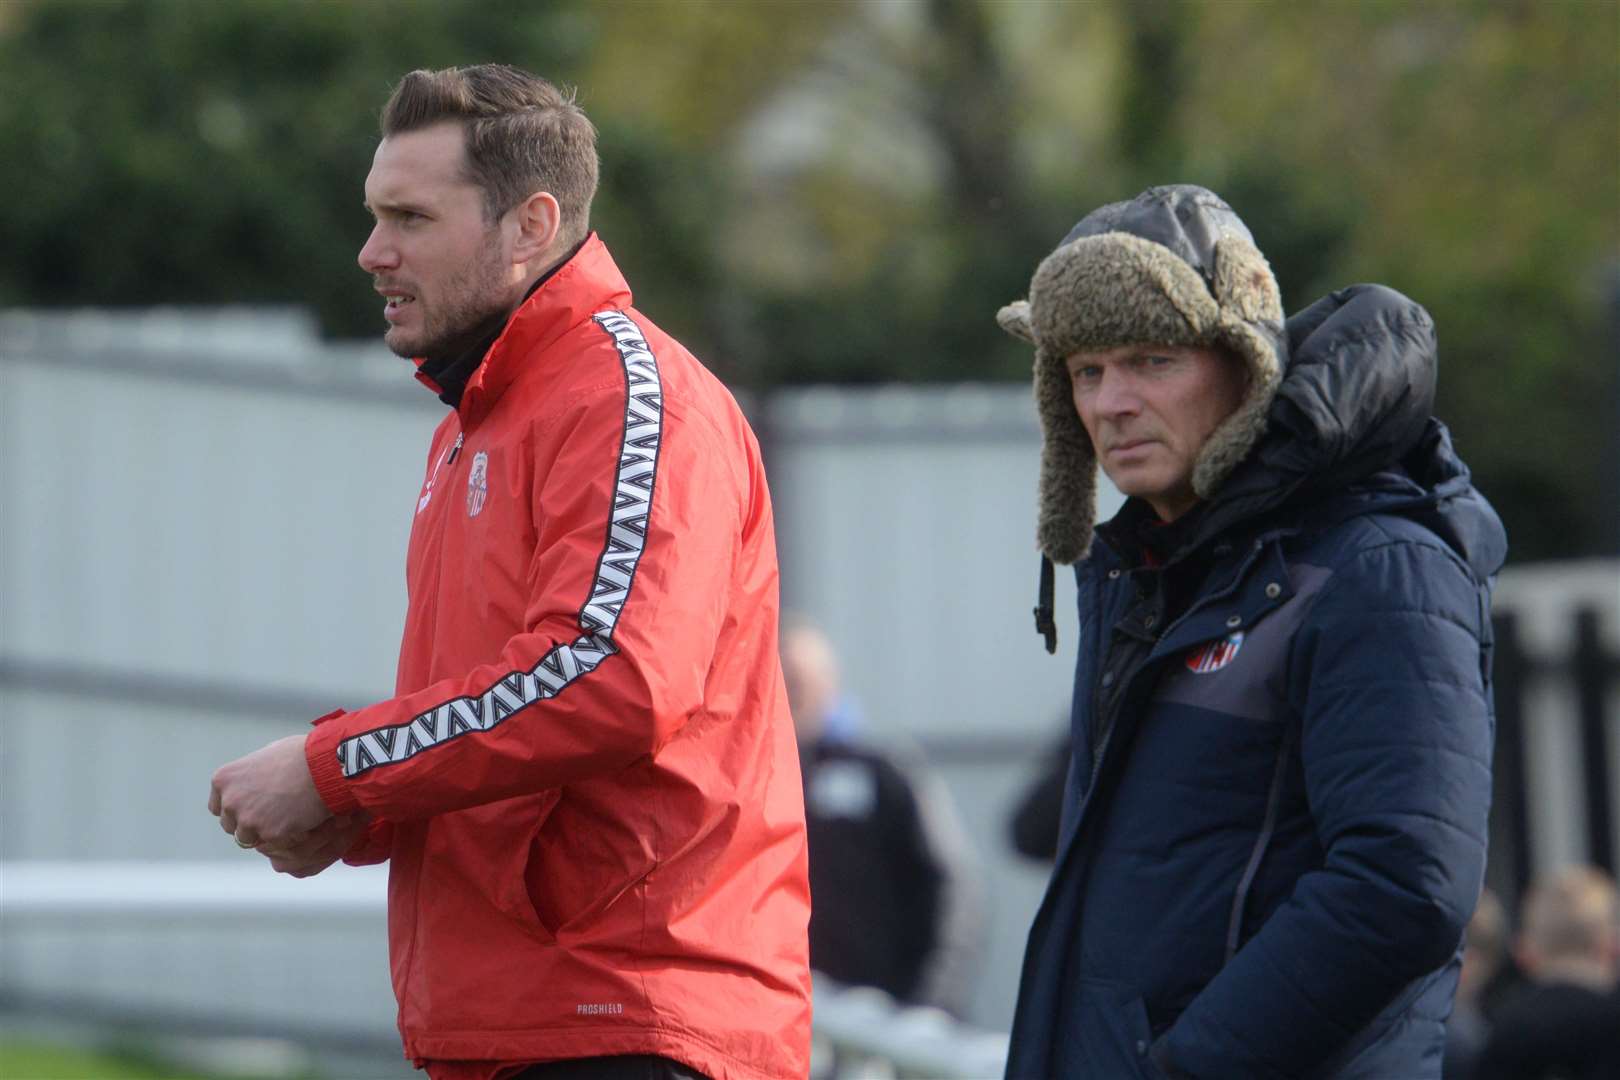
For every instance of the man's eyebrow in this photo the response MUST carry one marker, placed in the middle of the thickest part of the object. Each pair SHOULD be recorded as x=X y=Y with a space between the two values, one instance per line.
x=386 y=207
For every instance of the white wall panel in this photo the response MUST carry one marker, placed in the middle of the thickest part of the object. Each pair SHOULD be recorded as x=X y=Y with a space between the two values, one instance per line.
x=906 y=521
x=87 y=778
x=207 y=531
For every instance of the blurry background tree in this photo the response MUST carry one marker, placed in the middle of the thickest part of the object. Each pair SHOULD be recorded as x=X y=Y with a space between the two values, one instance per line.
x=847 y=191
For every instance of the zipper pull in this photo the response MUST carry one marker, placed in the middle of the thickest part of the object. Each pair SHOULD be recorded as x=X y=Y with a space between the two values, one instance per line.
x=456 y=449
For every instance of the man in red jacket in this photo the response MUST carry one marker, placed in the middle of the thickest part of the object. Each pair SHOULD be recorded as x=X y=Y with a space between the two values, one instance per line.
x=586 y=783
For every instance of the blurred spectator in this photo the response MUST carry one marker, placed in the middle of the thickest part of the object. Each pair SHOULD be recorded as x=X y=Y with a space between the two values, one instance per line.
x=1484 y=946
x=893 y=883
x=1039 y=813
x=1566 y=1023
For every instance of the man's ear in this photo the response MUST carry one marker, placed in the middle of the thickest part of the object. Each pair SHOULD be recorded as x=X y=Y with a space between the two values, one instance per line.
x=538 y=219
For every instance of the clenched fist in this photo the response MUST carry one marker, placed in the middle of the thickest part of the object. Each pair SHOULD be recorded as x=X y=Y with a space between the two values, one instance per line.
x=324 y=846
x=268 y=797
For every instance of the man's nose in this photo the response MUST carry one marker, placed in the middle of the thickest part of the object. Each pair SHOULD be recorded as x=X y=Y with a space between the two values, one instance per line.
x=376 y=254
x=1117 y=395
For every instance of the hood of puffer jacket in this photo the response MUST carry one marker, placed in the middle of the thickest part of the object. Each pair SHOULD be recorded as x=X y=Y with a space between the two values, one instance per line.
x=1173 y=266
x=1351 y=431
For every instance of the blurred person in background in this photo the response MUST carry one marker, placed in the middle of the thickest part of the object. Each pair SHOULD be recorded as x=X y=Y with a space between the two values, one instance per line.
x=1033 y=826
x=1566 y=1023
x=894 y=886
x=1484 y=948
x=1274 y=829
x=586 y=785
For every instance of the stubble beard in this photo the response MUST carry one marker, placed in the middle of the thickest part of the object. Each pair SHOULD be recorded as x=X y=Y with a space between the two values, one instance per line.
x=473 y=299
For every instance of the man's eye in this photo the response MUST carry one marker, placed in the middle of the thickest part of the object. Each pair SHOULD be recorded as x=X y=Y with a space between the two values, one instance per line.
x=1086 y=374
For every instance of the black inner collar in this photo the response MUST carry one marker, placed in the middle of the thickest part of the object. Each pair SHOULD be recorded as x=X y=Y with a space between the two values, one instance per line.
x=452 y=371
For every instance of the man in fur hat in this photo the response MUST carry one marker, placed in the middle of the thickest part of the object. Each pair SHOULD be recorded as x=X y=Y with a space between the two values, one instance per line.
x=1274 y=823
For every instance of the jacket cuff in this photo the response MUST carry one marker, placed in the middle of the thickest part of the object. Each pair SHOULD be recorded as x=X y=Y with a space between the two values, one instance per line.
x=320 y=751
x=373 y=846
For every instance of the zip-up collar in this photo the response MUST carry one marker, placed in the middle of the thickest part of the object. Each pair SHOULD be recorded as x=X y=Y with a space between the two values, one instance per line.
x=472 y=380
x=447 y=375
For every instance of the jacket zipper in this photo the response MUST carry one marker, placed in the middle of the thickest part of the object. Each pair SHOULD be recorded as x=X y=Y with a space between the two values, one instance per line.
x=1097 y=710
x=1108 y=734
x=411 y=975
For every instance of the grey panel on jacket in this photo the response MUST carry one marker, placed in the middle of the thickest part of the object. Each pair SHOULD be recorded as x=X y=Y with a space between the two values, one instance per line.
x=1249 y=683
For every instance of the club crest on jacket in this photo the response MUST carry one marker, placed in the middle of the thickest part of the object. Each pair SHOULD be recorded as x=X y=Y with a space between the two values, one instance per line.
x=478 y=483
x=1214 y=655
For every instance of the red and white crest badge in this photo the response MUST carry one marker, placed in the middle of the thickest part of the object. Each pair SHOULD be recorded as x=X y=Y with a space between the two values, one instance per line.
x=1215 y=655
x=477 y=483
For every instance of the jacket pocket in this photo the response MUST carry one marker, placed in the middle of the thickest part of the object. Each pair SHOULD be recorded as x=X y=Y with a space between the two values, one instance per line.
x=1105 y=1035
x=496 y=847
x=582 y=859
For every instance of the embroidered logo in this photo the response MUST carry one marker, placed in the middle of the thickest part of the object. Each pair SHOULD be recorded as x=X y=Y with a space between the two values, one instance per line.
x=1215 y=655
x=478 y=484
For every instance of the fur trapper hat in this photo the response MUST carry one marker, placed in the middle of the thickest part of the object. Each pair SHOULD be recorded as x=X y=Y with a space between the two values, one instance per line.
x=1173 y=266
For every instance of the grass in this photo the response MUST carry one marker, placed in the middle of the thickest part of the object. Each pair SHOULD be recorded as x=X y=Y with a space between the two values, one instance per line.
x=22 y=1059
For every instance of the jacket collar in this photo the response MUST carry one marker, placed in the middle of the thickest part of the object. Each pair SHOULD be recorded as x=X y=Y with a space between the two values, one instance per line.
x=1138 y=538
x=587 y=282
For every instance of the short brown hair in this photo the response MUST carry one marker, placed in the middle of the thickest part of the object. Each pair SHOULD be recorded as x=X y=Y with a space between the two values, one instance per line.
x=522 y=135
x=1572 y=912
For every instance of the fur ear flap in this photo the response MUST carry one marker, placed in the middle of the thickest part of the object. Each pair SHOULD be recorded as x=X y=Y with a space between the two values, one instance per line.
x=1243 y=280
x=1014 y=318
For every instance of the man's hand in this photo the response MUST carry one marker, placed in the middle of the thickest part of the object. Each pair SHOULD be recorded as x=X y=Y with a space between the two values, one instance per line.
x=268 y=797
x=320 y=849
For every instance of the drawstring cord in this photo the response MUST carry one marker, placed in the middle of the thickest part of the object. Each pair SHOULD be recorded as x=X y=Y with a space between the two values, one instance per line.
x=1045 y=614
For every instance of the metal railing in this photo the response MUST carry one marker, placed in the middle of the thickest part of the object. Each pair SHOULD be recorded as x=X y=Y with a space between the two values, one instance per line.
x=860 y=1033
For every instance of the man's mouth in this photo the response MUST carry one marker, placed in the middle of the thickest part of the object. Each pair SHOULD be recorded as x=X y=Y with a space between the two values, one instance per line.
x=395 y=304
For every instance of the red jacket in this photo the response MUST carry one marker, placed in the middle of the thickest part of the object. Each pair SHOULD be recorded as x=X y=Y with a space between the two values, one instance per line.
x=587 y=782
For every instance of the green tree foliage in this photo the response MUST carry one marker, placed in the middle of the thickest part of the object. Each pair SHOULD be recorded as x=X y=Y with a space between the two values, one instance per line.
x=1473 y=151
x=847 y=191
x=169 y=151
